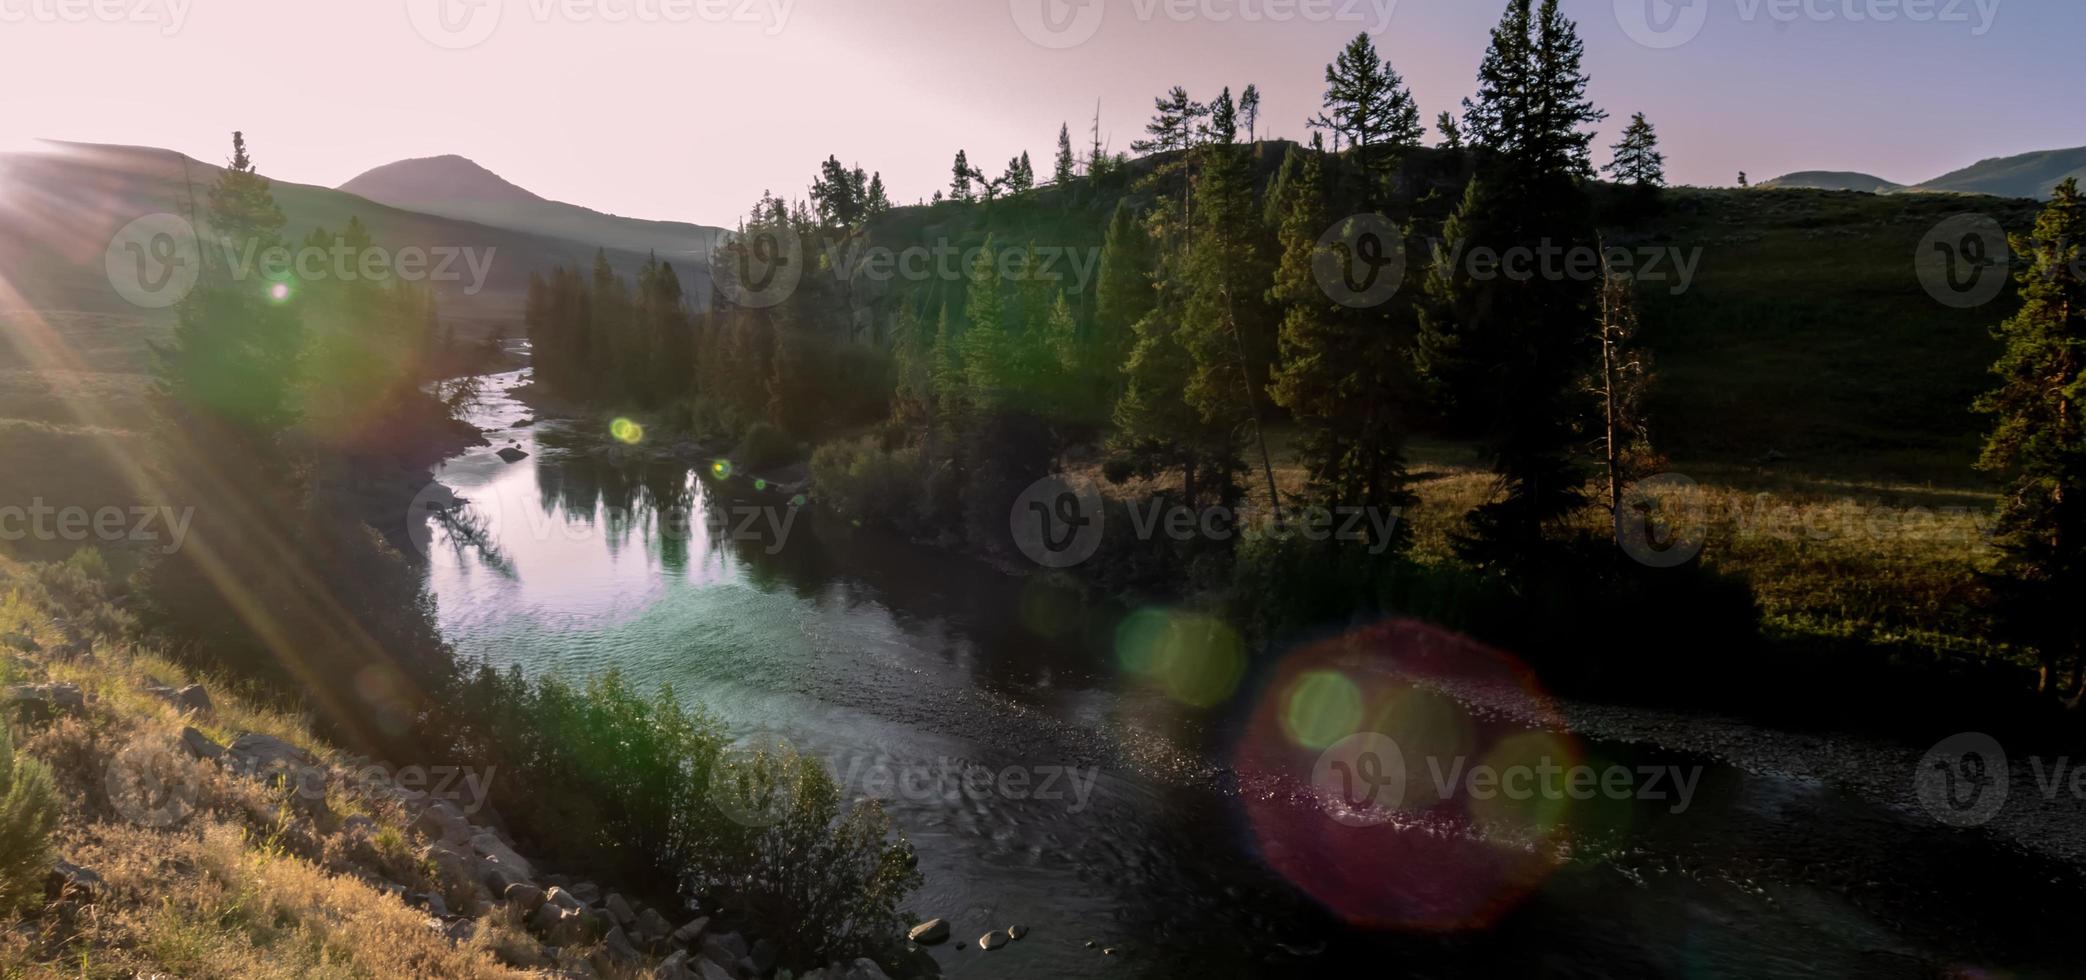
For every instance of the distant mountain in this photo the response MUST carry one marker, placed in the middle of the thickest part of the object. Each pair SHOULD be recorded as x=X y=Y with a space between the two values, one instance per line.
x=1835 y=180
x=61 y=205
x=455 y=187
x=2029 y=175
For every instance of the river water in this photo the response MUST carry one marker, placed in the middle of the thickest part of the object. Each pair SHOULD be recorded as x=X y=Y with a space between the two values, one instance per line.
x=1055 y=773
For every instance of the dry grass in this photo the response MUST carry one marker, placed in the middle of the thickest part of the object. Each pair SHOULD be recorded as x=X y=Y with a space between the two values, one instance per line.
x=244 y=886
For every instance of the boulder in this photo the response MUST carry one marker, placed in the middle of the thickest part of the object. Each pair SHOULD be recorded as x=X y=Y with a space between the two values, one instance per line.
x=498 y=878
x=620 y=908
x=709 y=970
x=1016 y=932
x=186 y=700
x=652 y=928
x=525 y=897
x=512 y=455
x=865 y=969
x=992 y=940
x=442 y=821
x=674 y=967
x=586 y=891
x=199 y=745
x=563 y=899
x=43 y=702
x=691 y=934
x=560 y=926
x=763 y=957
x=23 y=642
x=616 y=943
x=490 y=847
x=929 y=933
x=70 y=882
x=256 y=753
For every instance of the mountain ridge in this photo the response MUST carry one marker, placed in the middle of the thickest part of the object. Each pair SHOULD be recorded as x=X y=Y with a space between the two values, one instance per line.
x=2033 y=175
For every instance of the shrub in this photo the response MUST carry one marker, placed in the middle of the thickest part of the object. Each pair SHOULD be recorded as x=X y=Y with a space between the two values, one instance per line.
x=765 y=446
x=28 y=814
x=863 y=481
x=644 y=790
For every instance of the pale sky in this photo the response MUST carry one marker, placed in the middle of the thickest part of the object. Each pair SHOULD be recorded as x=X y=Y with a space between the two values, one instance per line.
x=675 y=110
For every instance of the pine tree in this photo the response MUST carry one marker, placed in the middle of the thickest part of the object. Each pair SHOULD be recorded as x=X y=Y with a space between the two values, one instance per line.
x=1506 y=357
x=1249 y=112
x=1067 y=167
x=29 y=812
x=960 y=179
x=1366 y=101
x=2038 y=439
x=1176 y=121
x=879 y=199
x=229 y=375
x=1224 y=119
x=945 y=376
x=1124 y=294
x=1451 y=133
x=1342 y=375
x=1638 y=161
x=987 y=354
x=1224 y=320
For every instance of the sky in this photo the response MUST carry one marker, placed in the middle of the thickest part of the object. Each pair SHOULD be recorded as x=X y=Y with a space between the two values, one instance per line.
x=690 y=109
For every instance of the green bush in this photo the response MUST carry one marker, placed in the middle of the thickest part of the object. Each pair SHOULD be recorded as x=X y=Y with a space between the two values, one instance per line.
x=28 y=814
x=861 y=480
x=648 y=793
x=765 y=446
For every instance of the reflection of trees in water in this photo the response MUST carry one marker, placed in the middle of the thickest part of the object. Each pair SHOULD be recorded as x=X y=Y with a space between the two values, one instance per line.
x=655 y=502
x=469 y=534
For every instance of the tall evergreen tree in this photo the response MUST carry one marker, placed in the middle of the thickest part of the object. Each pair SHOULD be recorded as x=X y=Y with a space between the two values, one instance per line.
x=1066 y=167
x=2038 y=439
x=1506 y=350
x=1176 y=123
x=1366 y=101
x=1342 y=375
x=1638 y=161
x=1451 y=132
x=1124 y=294
x=960 y=179
x=1249 y=112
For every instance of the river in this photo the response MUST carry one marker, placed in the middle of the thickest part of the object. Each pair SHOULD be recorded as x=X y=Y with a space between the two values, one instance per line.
x=1052 y=776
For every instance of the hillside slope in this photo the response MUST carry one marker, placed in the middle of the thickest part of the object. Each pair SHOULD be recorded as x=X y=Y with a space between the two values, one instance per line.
x=454 y=187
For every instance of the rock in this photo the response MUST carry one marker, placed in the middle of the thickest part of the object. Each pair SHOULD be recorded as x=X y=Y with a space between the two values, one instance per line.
x=619 y=907
x=199 y=745
x=497 y=878
x=709 y=970
x=523 y=896
x=692 y=933
x=513 y=455
x=764 y=954
x=43 y=702
x=652 y=928
x=674 y=967
x=521 y=956
x=1016 y=932
x=452 y=867
x=256 y=753
x=734 y=944
x=70 y=882
x=442 y=821
x=1109 y=951
x=617 y=945
x=489 y=846
x=23 y=642
x=865 y=969
x=586 y=891
x=188 y=699
x=563 y=899
x=560 y=926
x=358 y=825
x=992 y=940
x=930 y=933
x=461 y=931
x=433 y=904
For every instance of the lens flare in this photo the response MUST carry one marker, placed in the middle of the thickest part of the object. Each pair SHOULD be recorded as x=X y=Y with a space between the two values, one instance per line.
x=1196 y=659
x=626 y=432
x=1381 y=795
x=279 y=292
x=721 y=469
